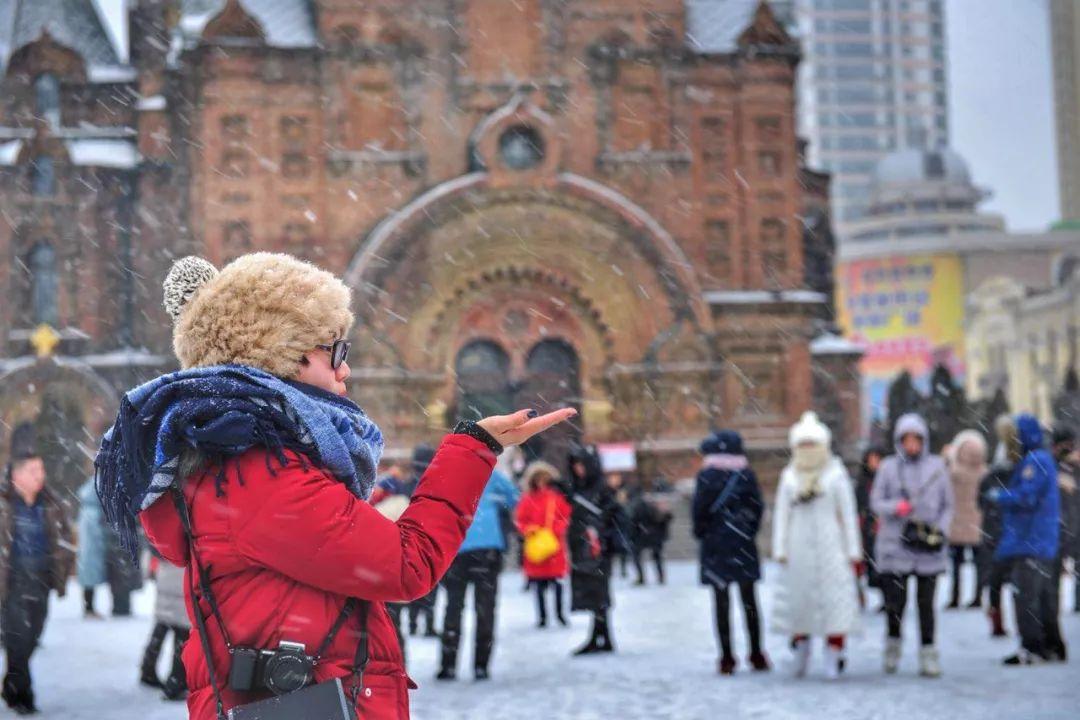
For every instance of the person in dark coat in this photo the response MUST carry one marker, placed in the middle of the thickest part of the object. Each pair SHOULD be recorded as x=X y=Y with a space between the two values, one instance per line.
x=1031 y=516
x=727 y=512
x=1064 y=449
x=594 y=524
x=650 y=526
x=35 y=557
x=392 y=485
x=867 y=520
x=996 y=572
x=622 y=546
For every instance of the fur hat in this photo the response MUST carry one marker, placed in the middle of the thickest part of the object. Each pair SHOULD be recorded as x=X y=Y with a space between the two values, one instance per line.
x=263 y=310
x=809 y=429
x=538 y=467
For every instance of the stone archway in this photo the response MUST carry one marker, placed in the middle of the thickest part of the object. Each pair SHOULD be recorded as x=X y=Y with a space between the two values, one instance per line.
x=565 y=259
x=71 y=406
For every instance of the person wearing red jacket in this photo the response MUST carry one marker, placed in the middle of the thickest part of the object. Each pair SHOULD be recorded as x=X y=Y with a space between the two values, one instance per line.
x=544 y=509
x=270 y=467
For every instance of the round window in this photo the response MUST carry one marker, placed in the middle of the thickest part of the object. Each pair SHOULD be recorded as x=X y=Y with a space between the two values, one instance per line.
x=521 y=148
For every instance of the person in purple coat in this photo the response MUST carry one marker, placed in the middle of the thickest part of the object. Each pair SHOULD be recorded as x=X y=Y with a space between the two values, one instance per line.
x=912 y=490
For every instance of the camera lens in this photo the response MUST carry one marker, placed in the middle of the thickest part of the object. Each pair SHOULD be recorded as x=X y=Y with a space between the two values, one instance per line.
x=286 y=673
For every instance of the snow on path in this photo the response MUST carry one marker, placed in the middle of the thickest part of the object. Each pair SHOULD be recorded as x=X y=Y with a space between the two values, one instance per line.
x=665 y=667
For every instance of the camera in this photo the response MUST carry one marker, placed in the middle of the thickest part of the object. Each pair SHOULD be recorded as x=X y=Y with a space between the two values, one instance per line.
x=280 y=671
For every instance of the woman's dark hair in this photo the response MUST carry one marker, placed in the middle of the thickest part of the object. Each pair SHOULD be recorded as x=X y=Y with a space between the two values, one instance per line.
x=587 y=456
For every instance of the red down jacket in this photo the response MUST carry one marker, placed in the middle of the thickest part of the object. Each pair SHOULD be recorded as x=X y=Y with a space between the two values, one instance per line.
x=285 y=550
x=548 y=508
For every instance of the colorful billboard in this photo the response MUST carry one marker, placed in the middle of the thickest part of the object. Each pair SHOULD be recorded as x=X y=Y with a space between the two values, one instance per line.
x=908 y=313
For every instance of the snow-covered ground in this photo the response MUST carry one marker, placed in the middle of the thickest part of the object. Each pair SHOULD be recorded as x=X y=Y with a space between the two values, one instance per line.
x=665 y=668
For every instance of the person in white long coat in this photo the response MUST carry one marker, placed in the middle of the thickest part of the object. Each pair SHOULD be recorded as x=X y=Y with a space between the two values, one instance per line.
x=816 y=539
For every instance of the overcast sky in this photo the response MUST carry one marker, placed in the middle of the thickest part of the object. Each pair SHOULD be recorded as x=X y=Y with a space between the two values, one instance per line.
x=1001 y=102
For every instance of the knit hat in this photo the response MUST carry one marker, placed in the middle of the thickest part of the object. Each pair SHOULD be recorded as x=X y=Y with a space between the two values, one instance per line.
x=809 y=429
x=24 y=442
x=422 y=456
x=722 y=442
x=263 y=310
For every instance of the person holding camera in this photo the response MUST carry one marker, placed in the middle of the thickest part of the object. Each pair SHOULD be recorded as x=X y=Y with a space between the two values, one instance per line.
x=913 y=499
x=253 y=468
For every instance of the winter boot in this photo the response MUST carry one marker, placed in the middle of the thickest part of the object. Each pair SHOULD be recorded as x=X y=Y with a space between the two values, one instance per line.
x=589 y=648
x=834 y=662
x=174 y=689
x=893 y=647
x=148 y=672
x=929 y=664
x=18 y=699
x=759 y=662
x=481 y=674
x=997 y=627
x=1023 y=657
x=801 y=648
x=446 y=674
x=726 y=666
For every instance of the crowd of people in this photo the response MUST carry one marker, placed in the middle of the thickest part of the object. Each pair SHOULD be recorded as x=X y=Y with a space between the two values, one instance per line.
x=905 y=520
x=255 y=484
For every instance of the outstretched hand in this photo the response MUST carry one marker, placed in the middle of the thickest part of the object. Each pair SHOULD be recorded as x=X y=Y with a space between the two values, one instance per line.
x=520 y=426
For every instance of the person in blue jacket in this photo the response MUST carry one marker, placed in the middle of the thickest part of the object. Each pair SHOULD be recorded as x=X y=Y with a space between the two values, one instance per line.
x=1030 y=510
x=478 y=563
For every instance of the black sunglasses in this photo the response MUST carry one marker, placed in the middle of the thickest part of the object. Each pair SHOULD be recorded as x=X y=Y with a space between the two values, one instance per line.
x=339 y=352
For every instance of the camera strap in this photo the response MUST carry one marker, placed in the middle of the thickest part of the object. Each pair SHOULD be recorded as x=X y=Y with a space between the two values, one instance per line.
x=360 y=659
x=200 y=619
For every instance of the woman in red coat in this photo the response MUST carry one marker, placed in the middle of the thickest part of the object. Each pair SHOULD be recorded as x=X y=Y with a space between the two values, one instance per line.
x=543 y=510
x=256 y=441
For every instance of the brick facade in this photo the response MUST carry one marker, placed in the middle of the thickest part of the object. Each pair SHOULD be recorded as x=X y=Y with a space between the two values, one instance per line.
x=525 y=186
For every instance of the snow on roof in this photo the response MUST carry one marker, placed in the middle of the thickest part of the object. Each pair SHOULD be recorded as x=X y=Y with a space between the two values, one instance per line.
x=72 y=23
x=9 y=152
x=120 y=154
x=154 y=102
x=830 y=344
x=714 y=26
x=111 y=73
x=124 y=357
x=286 y=23
x=753 y=297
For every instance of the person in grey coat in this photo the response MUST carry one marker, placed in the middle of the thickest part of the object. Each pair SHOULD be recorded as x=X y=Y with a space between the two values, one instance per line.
x=170 y=614
x=911 y=487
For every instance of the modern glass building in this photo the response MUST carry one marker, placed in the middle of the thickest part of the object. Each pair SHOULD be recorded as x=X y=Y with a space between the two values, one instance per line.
x=872 y=81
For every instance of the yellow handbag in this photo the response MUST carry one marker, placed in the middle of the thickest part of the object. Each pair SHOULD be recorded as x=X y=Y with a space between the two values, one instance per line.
x=541 y=544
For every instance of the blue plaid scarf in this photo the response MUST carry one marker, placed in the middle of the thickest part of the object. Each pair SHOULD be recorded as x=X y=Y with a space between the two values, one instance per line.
x=223 y=411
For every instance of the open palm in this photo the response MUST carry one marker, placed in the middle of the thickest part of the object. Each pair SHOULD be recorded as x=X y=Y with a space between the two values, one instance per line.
x=518 y=427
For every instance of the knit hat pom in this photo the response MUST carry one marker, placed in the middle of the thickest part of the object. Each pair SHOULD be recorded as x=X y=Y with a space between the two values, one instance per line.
x=809 y=429
x=186 y=276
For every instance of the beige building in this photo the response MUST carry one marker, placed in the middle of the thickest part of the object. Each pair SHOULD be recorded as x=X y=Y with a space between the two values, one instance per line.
x=905 y=269
x=1022 y=340
x=1065 y=44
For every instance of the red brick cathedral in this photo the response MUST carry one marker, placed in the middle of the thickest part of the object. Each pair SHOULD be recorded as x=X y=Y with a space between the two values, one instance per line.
x=595 y=202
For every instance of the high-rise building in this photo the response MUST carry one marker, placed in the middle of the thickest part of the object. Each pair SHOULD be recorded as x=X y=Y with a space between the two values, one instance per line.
x=1065 y=43
x=872 y=82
